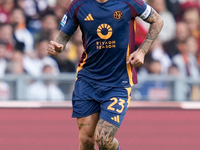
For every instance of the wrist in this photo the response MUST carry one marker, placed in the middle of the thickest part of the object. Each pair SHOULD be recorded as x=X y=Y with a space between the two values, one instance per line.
x=143 y=51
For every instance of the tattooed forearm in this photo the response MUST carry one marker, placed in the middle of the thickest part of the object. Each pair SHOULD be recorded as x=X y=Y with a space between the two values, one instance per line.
x=62 y=38
x=156 y=24
x=104 y=135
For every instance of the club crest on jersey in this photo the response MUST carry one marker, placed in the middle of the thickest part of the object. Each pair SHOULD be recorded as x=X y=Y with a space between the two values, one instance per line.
x=118 y=14
x=64 y=20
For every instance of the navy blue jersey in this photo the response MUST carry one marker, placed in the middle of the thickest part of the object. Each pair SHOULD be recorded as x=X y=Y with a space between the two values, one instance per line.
x=108 y=38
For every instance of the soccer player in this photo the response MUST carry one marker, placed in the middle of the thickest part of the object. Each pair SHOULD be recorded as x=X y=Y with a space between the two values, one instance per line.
x=106 y=70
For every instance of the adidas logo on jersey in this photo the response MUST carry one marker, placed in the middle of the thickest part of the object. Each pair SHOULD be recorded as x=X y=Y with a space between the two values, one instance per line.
x=89 y=18
x=116 y=118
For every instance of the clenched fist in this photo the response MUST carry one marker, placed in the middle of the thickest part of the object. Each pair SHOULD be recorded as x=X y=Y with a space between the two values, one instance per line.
x=136 y=58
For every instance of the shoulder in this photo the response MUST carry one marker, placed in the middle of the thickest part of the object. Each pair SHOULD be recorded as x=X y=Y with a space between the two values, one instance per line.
x=76 y=3
x=139 y=6
x=135 y=3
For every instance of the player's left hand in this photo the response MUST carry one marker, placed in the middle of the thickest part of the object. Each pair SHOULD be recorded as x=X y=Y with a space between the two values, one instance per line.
x=136 y=58
x=54 y=48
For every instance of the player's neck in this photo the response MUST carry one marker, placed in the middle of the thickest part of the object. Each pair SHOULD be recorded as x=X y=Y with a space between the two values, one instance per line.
x=101 y=1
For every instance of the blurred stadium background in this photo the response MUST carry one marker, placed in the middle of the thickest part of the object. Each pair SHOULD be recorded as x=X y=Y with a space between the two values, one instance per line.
x=36 y=89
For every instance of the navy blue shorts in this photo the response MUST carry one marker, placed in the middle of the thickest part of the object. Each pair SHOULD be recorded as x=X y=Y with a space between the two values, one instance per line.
x=111 y=102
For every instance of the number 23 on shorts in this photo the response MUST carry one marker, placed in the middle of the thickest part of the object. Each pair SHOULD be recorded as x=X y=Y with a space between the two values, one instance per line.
x=115 y=101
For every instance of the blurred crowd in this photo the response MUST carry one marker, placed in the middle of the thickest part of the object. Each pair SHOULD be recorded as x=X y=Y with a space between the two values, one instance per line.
x=27 y=26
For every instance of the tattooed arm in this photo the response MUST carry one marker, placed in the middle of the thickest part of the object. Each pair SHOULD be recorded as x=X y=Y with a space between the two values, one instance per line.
x=156 y=24
x=137 y=58
x=58 y=44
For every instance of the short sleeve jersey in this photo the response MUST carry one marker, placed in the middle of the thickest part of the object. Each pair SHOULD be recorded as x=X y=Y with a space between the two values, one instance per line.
x=108 y=38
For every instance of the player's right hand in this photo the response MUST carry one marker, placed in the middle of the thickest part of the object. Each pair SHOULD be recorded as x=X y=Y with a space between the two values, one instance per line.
x=54 y=48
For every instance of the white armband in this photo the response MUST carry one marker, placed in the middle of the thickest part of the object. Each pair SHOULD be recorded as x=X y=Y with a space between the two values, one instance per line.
x=146 y=13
